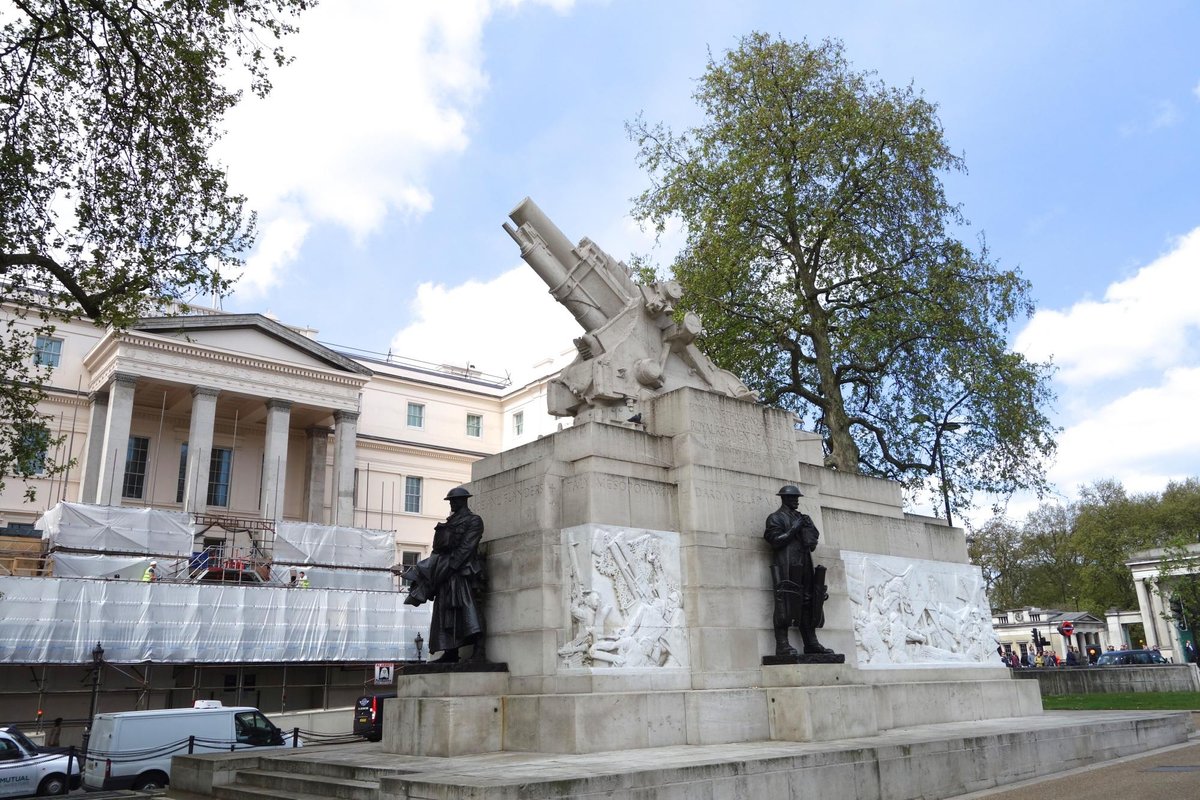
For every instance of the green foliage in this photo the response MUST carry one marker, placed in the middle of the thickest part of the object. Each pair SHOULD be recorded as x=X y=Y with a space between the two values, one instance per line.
x=820 y=250
x=1051 y=558
x=997 y=548
x=1124 y=701
x=1175 y=523
x=111 y=205
x=25 y=442
x=1074 y=557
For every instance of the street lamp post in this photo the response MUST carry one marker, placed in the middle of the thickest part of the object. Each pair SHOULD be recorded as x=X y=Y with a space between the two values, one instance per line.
x=945 y=427
x=97 y=663
x=419 y=642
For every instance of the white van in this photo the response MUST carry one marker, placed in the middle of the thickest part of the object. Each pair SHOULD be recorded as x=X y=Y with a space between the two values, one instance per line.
x=133 y=749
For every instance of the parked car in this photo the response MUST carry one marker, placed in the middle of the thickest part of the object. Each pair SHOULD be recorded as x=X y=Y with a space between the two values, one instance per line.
x=133 y=749
x=1135 y=657
x=24 y=771
x=368 y=716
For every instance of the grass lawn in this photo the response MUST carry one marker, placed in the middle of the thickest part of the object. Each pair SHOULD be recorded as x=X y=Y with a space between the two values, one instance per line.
x=1124 y=701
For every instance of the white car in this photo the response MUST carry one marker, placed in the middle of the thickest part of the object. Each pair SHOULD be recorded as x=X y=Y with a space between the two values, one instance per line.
x=24 y=771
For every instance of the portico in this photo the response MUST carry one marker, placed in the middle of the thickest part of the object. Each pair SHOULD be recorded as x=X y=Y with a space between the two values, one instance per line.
x=199 y=413
x=1154 y=574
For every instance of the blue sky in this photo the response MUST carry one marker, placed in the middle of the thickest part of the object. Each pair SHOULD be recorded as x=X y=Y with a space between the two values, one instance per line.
x=395 y=145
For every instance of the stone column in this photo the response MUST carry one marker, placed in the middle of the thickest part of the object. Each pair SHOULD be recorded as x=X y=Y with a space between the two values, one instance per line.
x=345 y=433
x=275 y=447
x=94 y=455
x=1163 y=636
x=315 y=456
x=118 y=419
x=1145 y=604
x=200 y=446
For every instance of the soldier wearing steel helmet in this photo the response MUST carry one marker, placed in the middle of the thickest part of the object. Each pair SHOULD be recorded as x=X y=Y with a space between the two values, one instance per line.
x=453 y=577
x=799 y=589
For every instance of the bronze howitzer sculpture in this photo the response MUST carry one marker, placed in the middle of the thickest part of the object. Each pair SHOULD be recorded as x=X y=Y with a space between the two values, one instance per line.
x=633 y=348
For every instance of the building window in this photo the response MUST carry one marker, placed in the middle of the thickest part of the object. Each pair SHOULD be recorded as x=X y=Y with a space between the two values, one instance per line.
x=416 y=415
x=220 y=468
x=182 y=473
x=519 y=423
x=134 y=485
x=48 y=351
x=33 y=445
x=1035 y=617
x=412 y=495
x=474 y=425
x=408 y=558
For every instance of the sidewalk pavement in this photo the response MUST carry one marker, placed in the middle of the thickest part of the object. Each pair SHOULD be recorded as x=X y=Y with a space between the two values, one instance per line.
x=1171 y=773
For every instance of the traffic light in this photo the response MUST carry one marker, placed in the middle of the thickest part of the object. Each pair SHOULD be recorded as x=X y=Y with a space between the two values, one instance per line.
x=1177 y=613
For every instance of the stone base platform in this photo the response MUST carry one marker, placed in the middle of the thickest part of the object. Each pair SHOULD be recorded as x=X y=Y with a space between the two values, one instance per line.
x=929 y=762
x=461 y=714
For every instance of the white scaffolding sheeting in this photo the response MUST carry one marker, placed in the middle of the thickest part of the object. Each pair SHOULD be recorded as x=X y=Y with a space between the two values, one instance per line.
x=89 y=565
x=305 y=542
x=117 y=529
x=60 y=620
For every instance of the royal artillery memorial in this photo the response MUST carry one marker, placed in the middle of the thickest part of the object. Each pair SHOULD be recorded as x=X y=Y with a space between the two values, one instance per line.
x=630 y=595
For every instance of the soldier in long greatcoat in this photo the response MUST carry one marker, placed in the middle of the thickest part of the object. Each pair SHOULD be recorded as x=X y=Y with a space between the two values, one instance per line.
x=799 y=588
x=453 y=577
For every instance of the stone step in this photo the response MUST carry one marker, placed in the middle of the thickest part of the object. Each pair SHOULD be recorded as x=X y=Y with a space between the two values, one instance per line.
x=326 y=768
x=292 y=783
x=235 y=792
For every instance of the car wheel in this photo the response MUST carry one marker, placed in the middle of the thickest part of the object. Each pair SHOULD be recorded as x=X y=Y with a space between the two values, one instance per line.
x=150 y=780
x=52 y=784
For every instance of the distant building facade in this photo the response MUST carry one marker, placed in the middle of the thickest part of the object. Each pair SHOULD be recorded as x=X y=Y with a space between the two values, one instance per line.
x=1015 y=631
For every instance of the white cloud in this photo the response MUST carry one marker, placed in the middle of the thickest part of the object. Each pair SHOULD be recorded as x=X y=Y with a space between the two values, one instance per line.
x=1146 y=321
x=509 y=324
x=378 y=92
x=279 y=242
x=1196 y=91
x=1135 y=438
x=1166 y=115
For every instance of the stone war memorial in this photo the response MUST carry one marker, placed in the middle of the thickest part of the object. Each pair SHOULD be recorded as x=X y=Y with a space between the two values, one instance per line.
x=642 y=589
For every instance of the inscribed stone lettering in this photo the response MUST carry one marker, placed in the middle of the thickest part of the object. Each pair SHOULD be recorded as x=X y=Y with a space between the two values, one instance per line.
x=624 y=604
x=911 y=611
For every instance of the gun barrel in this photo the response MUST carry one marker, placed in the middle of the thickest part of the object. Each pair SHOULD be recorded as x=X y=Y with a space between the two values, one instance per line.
x=527 y=212
x=590 y=297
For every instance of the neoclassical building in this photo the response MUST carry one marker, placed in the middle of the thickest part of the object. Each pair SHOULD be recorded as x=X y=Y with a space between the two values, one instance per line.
x=240 y=415
x=234 y=451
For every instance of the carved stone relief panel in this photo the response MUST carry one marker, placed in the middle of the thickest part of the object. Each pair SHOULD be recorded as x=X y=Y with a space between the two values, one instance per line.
x=624 y=604
x=913 y=612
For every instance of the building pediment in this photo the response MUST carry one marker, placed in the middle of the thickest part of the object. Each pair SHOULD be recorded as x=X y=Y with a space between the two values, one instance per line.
x=251 y=335
x=248 y=355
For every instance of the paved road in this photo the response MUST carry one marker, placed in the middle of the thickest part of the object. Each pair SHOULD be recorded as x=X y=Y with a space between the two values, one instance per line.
x=1172 y=773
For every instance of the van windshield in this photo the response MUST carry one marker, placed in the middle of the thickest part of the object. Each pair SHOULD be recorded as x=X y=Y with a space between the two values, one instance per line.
x=252 y=728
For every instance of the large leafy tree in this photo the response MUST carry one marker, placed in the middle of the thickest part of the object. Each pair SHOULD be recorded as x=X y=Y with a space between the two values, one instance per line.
x=997 y=548
x=111 y=204
x=823 y=255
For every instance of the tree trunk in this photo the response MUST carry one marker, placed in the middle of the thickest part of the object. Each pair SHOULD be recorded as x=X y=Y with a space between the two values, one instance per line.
x=843 y=452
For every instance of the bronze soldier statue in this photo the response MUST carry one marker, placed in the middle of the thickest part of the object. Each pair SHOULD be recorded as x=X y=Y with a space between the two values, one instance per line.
x=800 y=591
x=453 y=578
